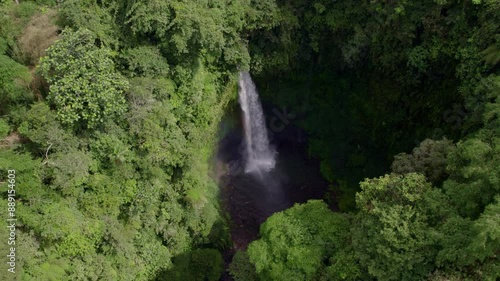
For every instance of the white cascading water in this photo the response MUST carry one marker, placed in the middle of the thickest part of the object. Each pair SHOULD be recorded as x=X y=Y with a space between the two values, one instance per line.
x=259 y=156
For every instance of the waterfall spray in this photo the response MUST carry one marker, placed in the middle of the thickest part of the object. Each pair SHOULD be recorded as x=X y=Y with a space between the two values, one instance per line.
x=259 y=156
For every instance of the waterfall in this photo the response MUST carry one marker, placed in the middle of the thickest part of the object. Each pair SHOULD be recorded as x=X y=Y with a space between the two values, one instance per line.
x=259 y=156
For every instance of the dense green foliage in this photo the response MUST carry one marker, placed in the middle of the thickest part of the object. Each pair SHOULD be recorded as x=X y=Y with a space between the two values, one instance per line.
x=295 y=242
x=202 y=264
x=241 y=268
x=112 y=139
x=375 y=78
x=372 y=79
x=405 y=230
x=83 y=83
x=109 y=112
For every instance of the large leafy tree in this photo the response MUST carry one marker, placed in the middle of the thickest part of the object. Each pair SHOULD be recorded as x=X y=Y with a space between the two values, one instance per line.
x=295 y=242
x=85 y=89
x=394 y=236
x=474 y=168
x=470 y=248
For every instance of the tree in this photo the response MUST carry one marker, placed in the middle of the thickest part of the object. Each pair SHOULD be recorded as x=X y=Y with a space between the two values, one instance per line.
x=28 y=180
x=429 y=159
x=199 y=265
x=145 y=61
x=241 y=269
x=486 y=245
x=14 y=79
x=295 y=242
x=4 y=128
x=394 y=236
x=85 y=89
x=470 y=248
x=40 y=125
x=474 y=174
x=70 y=171
x=93 y=16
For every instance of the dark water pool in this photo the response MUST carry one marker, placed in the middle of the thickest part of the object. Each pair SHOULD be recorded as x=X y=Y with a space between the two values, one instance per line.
x=251 y=198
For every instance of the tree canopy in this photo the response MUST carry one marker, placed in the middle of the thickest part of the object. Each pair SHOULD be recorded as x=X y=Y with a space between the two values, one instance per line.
x=110 y=115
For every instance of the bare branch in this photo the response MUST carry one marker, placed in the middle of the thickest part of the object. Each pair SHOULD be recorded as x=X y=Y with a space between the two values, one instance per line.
x=46 y=160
